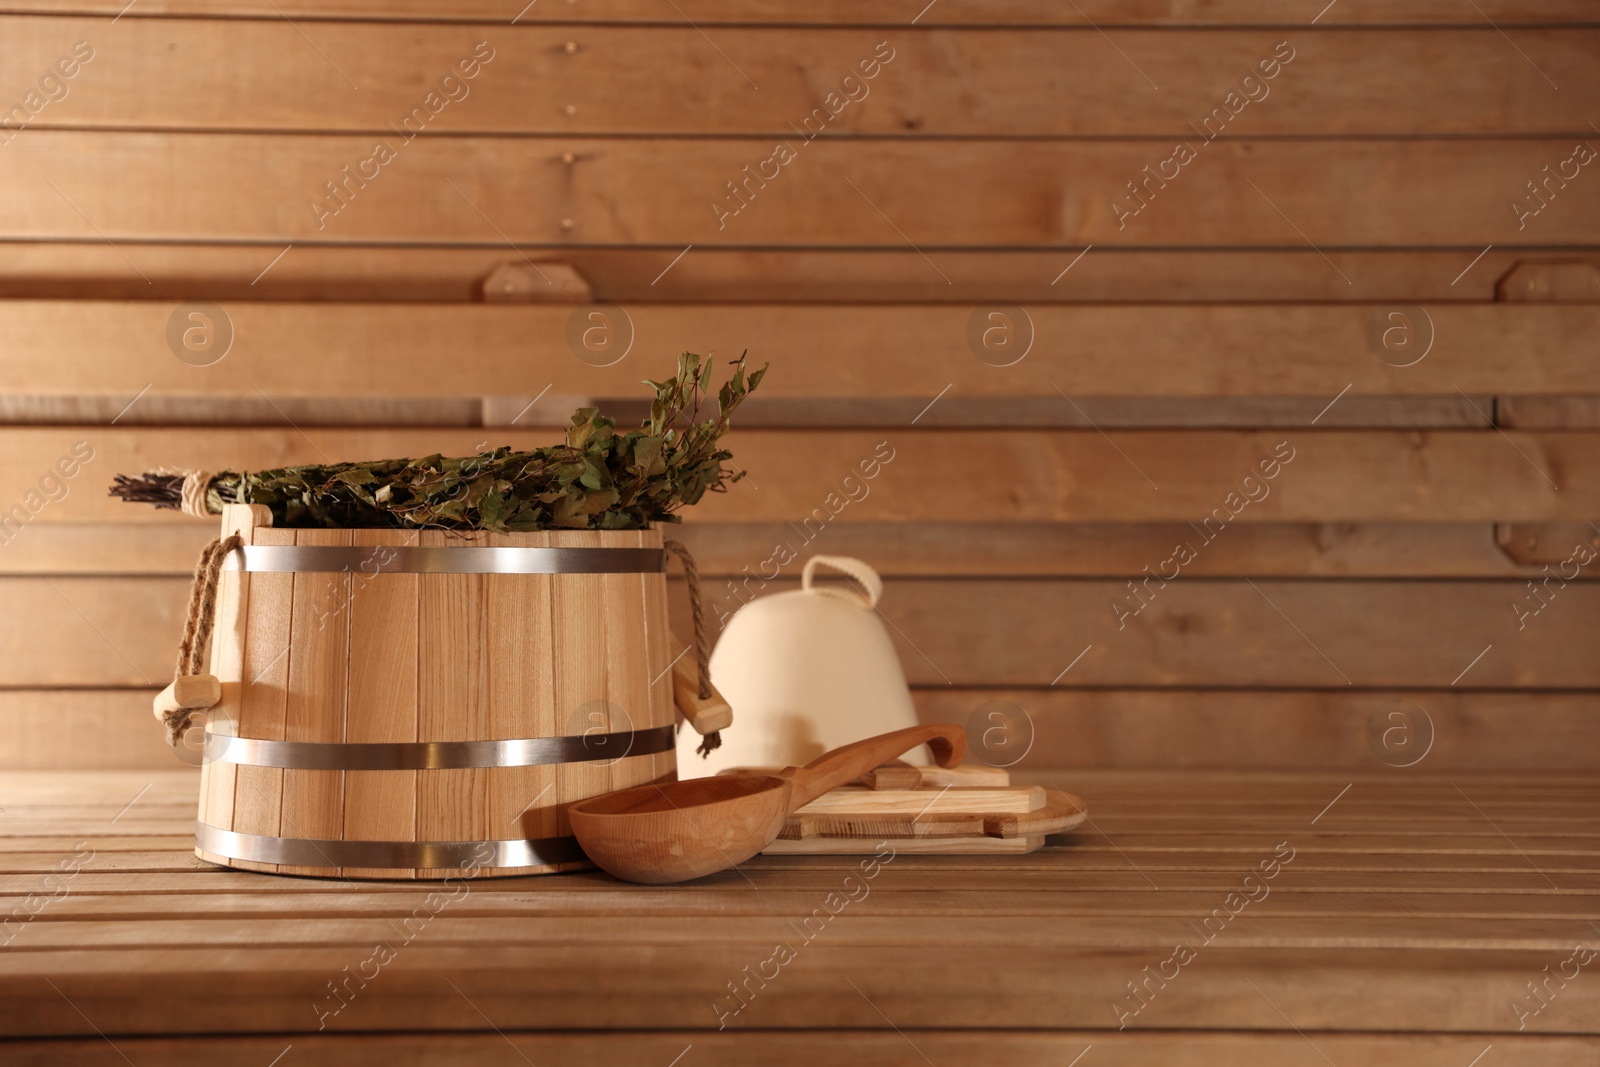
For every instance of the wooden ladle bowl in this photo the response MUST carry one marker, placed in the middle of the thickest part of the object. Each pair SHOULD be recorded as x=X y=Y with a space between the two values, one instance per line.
x=681 y=830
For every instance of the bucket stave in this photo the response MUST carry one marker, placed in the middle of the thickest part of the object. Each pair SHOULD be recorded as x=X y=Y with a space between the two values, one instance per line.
x=441 y=705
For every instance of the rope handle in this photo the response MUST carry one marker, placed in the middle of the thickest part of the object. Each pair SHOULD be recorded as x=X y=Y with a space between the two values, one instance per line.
x=192 y=690
x=702 y=651
x=872 y=585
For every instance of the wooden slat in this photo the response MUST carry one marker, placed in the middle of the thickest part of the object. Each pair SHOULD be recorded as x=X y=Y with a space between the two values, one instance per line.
x=229 y=658
x=1302 y=550
x=886 y=351
x=318 y=696
x=258 y=188
x=1195 y=632
x=1049 y=475
x=956 y=12
x=581 y=674
x=308 y=411
x=381 y=805
x=857 y=1049
x=1205 y=632
x=177 y=271
x=82 y=728
x=1454 y=730
x=141 y=884
x=87 y=548
x=1549 y=412
x=499 y=936
x=952 y=411
x=258 y=791
x=254 y=75
x=452 y=676
x=925 y=549
x=533 y=987
x=661 y=646
x=521 y=801
x=1060 y=890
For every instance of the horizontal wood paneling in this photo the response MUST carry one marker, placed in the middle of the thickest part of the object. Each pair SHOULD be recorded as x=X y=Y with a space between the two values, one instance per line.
x=1195 y=632
x=953 y=410
x=915 y=352
x=56 y=270
x=82 y=729
x=249 y=75
x=1278 y=729
x=253 y=187
x=925 y=549
x=91 y=632
x=767 y=1048
x=943 y=475
x=1226 y=633
x=1039 y=729
x=960 y=12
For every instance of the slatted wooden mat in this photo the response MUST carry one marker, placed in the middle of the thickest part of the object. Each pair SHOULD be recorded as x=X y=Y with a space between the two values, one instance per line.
x=1408 y=922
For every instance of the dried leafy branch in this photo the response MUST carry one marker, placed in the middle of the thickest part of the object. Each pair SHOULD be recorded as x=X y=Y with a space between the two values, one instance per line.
x=598 y=479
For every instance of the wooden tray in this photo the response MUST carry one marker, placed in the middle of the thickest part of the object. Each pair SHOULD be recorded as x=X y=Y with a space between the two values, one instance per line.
x=959 y=810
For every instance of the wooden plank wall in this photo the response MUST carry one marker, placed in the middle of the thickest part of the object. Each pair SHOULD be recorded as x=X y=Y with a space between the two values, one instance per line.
x=1072 y=279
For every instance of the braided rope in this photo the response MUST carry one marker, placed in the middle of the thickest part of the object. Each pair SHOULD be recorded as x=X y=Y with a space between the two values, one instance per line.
x=197 y=625
x=702 y=651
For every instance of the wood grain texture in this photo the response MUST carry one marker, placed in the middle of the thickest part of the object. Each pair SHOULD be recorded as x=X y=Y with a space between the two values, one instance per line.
x=353 y=657
x=1414 y=731
x=1024 y=194
x=952 y=411
x=659 y=834
x=318 y=699
x=1204 y=632
x=259 y=75
x=521 y=697
x=263 y=703
x=766 y=1048
x=229 y=661
x=661 y=646
x=583 y=669
x=1171 y=728
x=926 y=549
x=957 y=12
x=453 y=646
x=904 y=352
x=1233 y=633
x=1397 y=904
x=86 y=729
x=940 y=549
x=1052 y=475
x=51 y=270
x=383 y=627
x=973 y=800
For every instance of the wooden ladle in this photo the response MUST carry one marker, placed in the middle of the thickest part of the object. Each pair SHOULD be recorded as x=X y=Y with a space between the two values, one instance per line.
x=683 y=830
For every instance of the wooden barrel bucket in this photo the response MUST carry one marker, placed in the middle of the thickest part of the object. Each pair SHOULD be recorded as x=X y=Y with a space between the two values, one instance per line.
x=402 y=704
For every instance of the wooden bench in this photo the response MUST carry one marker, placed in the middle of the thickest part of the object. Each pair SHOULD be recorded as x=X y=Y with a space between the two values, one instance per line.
x=1200 y=918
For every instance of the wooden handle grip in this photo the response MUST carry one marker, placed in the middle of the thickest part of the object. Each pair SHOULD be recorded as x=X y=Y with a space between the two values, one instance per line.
x=947 y=741
x=706 y=716
x=191 y=692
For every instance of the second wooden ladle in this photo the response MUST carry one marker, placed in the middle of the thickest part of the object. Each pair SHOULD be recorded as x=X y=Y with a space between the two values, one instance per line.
x=682 y=830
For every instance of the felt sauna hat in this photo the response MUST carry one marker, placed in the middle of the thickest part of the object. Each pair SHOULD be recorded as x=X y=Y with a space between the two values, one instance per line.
x=805 y=671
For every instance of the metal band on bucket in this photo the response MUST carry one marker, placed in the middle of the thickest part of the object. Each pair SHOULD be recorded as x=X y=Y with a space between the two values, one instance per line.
x=467 y=559
x=437 y=855
x=436 y=755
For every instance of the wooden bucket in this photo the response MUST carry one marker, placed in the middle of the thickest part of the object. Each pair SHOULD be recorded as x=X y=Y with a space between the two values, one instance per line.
x=400 y=704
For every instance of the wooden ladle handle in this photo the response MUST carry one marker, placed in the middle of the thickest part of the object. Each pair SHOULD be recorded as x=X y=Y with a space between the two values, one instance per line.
x=947 y=740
